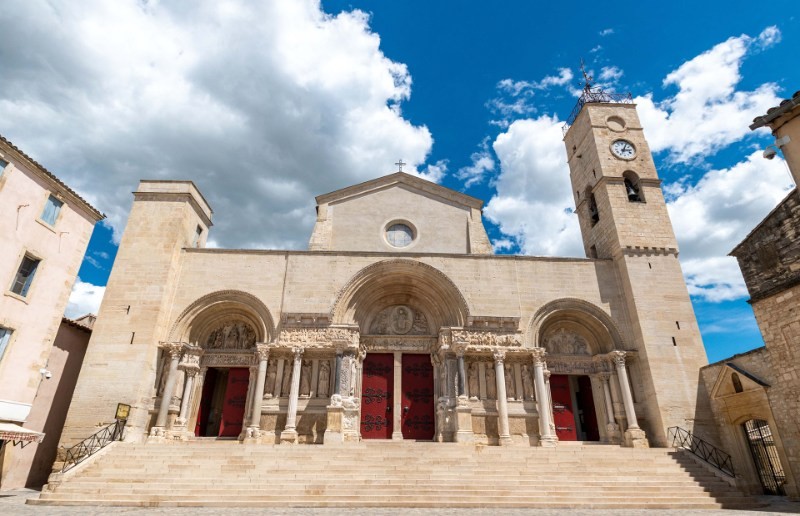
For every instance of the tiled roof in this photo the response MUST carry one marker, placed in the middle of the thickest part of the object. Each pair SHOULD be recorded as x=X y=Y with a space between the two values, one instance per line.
x=92 y=209
x=774 y=112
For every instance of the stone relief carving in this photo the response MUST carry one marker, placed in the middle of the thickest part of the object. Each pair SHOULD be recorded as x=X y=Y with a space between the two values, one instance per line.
x=579 y=365
x=227 y=359
x=319 y=336
x=563 y=342
x=527 y=382
x=491 y=383
x=408 y=343
x=462 y=338
x=324 y=379
x=399 y=320
x=288 y=370
x=232 y=335
x=272 y=374
x=509 y=377
x=473 y=382
x=305 y=378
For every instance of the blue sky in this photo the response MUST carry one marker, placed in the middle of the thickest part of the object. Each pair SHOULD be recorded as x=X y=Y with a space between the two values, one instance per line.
x=266 y=104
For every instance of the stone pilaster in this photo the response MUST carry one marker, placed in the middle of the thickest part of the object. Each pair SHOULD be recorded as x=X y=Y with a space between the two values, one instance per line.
x=547 y=429
x=174 y=350
x=289 y=433
x=612 y=428
x=502 y=400
x=634 y=436
x=254 y=428
x=464 y=432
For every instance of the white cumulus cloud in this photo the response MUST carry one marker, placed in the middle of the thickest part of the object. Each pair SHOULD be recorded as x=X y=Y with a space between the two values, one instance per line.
x=263 y=104
x=84 y=299
x=707 y=113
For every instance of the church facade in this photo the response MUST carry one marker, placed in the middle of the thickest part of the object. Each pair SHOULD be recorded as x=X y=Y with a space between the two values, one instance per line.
x=399 y=322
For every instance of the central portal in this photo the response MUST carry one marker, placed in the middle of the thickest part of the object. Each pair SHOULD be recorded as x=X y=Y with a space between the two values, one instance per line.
x=416 y=396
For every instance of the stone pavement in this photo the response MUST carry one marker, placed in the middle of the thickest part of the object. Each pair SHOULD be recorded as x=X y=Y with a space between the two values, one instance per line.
x=12 y=503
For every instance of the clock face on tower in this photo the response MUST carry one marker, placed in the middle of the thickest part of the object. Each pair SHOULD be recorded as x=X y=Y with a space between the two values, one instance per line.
x=623 y=149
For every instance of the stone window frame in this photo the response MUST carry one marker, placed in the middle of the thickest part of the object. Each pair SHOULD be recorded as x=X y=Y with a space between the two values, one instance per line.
x=5 y=171
x=7 y=336
x=25 y=253
x=392 y=222
x=54 y=195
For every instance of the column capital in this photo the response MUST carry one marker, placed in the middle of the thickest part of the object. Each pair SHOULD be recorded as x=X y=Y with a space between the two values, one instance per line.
x=604 y=376
x=618 y=357
x=191 y=371
x=297 y=352
x=262 y=351
x=499 y=356
x=538 y=355
x=174 y=349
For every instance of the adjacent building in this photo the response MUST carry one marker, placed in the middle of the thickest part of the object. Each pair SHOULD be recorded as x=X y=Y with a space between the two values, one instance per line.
x=44 y=231
x=756 y=395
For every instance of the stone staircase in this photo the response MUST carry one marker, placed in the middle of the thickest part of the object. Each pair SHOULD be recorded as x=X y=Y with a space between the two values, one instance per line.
x=392 y=474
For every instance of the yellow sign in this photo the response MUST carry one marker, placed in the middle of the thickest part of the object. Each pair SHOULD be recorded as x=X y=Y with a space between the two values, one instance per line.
x=122 y=411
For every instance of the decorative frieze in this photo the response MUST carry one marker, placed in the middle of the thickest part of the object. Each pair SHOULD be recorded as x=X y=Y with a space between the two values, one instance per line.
x=331 y=337
x=231 y=359
x=484 y=340
x=406 y=343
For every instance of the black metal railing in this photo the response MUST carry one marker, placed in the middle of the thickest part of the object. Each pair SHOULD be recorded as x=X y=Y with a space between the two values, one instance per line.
x=684 y=440
x=93 y=444
x=595 y=95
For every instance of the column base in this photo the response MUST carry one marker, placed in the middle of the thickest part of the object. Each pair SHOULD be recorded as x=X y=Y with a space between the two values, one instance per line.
x=464 y=433
x=333 y=431
x=635 y=438
x=158 y=434
x=289 y=436
x=505 y=440
x=612 y=431
x=548 y=441
x=252 y=435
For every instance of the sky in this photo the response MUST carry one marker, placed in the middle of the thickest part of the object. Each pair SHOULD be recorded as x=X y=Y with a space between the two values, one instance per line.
x=266 y=104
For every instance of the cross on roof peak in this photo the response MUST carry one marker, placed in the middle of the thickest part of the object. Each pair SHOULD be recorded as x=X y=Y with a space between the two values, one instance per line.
x=400 y=164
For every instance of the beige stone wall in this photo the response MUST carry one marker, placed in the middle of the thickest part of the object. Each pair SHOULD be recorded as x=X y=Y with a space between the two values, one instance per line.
x=779 y=321
x=638 y=236
x=122 y=356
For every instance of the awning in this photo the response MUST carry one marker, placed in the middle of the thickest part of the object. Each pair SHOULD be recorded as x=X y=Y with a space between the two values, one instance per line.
x=18 y=435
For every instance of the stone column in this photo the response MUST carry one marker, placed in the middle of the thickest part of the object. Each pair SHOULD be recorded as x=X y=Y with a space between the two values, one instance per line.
x=337 y=374
x=397 y=398
x=289 y=433
x=187 y=394
x=253 y=430
x=174 y=350
x=502 y=401
x=634 y=436
x=547 y=436
x=464 y=433
x=612 y=429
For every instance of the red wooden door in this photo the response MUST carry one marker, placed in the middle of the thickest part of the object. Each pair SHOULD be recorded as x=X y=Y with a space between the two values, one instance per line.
x=586 y=403
x=204 y=410
x=563 y=413
x=235 y=398
x=417 y=421
x=376 y=396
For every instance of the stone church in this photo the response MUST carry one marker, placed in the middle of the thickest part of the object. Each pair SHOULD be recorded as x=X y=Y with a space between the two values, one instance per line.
x=399 y=322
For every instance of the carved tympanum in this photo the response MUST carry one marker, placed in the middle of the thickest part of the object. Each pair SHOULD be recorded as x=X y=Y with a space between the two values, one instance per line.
x=399 y=320
x=563 y=342
x=232 y=335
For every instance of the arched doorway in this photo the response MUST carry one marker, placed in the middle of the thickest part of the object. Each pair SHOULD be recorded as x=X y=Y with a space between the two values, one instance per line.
x=400 y=306
x=765 y=456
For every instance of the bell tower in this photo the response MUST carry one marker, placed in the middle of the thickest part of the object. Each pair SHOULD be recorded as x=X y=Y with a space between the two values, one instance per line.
x=623 y=218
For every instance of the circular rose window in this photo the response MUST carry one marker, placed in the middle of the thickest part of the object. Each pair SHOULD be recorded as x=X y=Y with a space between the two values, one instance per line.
x=399 y=235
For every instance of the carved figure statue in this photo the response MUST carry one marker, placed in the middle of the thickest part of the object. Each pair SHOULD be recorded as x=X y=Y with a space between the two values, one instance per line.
x=491 y=384
x=288 y=369
x=563 y=342
x=509 y=377
x=305 y=378
x=232 y=340
x=474 y=383
x=527 y=383
x=272 y=373
x=399 y=320
x=403 y=320
x=324 y=381
x=236 y=335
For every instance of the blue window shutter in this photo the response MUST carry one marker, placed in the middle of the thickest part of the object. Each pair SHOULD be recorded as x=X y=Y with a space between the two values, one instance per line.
x=51 y=209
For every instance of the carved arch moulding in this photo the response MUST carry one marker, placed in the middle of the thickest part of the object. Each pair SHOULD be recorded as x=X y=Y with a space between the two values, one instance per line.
x=233 y=309
x=400 y=282
x=592 y=321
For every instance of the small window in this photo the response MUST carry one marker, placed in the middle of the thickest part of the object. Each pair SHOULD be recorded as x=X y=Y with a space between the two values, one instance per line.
x=51 y=209
x=5 y=336
x=3 y=165
x=399 y=235
x=633 y=189
x=594 y=215
x=24 y=277
x=737 y=382
x=197 y=234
